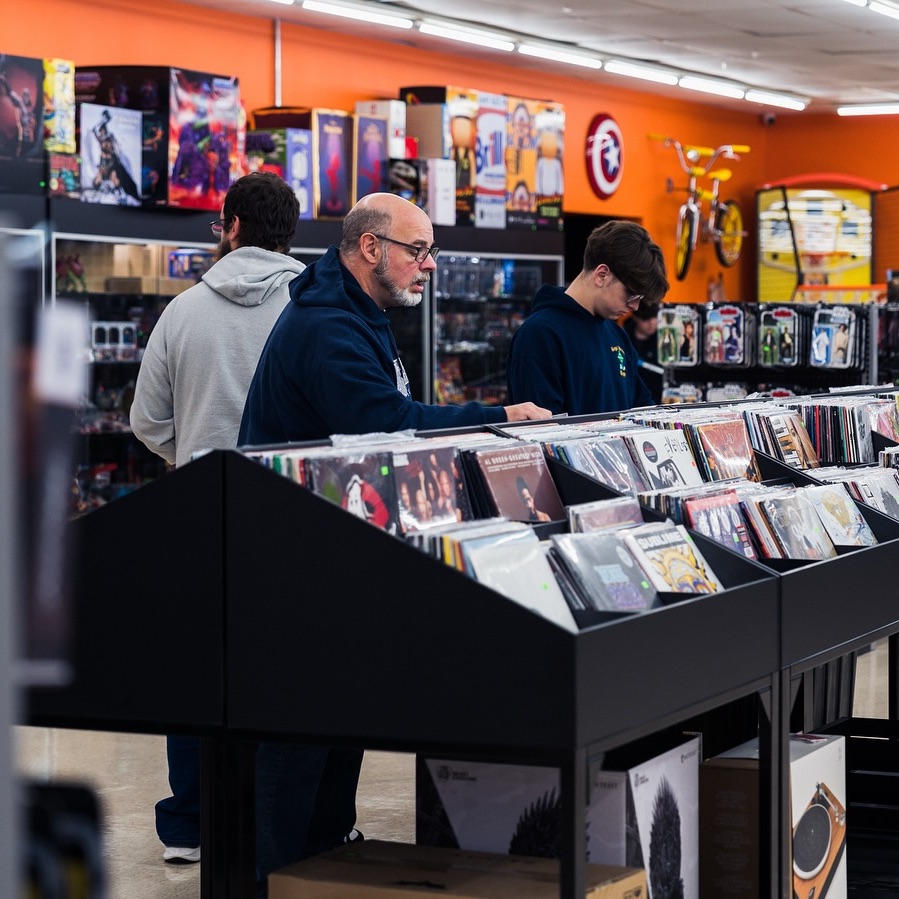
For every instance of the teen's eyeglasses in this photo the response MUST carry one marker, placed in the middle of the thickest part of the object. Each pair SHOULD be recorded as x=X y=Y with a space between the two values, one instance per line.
x=217 y=227
x=419 y=253
x=631 y=296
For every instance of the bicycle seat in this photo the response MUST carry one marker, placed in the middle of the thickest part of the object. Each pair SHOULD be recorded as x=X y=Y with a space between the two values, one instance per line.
x=721 y=175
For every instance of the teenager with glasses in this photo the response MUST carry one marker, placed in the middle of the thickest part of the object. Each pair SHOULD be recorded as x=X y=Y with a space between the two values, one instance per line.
x=331 y=365
x=570 y=354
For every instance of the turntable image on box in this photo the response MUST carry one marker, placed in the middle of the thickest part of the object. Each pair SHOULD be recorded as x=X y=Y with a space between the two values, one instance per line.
x=819 y=838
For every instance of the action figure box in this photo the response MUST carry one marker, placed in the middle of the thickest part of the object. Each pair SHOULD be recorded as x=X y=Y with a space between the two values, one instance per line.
x=521 y=163
x=59 y=106
x=645 y=792
x=444 y=121
x=729 y=820
x=549 y=183
x=193 y=129
x=370 y=156
x=23 y=159
x=64 y=175
x=490 y=187
x=378 y=868
x=288 y=153
x=333 y=139
x=111 y=154
x=395 y=113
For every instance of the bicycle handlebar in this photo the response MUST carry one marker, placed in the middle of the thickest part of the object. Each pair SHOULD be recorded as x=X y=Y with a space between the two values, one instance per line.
x=709 y=154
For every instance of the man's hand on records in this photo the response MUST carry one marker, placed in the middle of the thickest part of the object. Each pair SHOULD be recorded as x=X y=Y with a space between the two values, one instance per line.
x=526 y=412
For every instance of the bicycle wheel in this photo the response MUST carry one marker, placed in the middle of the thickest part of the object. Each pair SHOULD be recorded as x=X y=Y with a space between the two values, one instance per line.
x=728 y=232
x=685 y=240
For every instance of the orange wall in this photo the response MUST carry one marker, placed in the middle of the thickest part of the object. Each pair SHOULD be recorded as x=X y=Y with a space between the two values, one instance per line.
x=323 y=68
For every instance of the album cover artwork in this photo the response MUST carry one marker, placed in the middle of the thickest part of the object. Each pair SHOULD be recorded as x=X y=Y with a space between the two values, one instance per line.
x=797 y=527
x=727 y=450
x=720 y=518
x=670 y=559
x=519 y=484
x=362 y=483
x=665 y=457
x=791 y=440
x=841 y=517
x=604 y=513
x=608 y=460
x=426 y=482
x=605 y=574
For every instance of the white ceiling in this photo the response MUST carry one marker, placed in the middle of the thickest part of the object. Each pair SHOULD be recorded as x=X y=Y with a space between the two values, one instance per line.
x=829 y=51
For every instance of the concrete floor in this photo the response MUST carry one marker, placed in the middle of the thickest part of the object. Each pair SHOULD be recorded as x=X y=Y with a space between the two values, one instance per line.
x=128 y=774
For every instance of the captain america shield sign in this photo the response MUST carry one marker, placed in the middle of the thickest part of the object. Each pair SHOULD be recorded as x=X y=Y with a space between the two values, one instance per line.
x=605 y=155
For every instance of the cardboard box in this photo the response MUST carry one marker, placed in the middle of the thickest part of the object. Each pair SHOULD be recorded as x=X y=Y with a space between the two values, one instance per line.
x=444 y=122
x=729 y=820
x=23 y=159
x=333 y=140
x=429 y=183
x=549 y=180
x=111 y=155
x=514 y=808
x=394 y=111
x=370 y=156
x=379 y=869
x=59 y=106
x=490 y=188
x=521 y=163
x=193 y=129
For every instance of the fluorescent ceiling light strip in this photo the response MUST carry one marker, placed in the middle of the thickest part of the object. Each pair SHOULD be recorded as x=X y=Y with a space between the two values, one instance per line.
x=355 y=12
x=479 y=38
x=858 y=2
x=285 y=2
x=869 y=109
x=771 y=99
x=559 y=55
x=885 y=9
x=635 y=70
x=709 y=86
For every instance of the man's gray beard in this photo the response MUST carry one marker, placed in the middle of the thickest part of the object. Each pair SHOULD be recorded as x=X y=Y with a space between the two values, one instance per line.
x=398 y=296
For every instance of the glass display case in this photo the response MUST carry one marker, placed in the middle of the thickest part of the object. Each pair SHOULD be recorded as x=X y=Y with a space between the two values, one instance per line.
x=125 y=285
x=479 y=301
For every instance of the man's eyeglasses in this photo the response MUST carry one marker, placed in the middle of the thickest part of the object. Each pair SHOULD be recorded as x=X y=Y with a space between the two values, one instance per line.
x=419 y=253
x=217 y=227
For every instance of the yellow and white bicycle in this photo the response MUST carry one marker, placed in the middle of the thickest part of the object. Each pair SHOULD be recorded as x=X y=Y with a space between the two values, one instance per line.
x=723 y=225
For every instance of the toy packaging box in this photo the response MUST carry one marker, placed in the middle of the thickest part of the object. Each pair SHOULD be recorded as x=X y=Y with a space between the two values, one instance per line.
x=378 y=868
x=23 y=160
x=333 y=137
x=549 y=181
x=490 y=188
x=429 y=183
x=193 y=129
x=521 y=163
x=515 y=809
x=394 y=111
x=729 y=820
x=59 y=106
x=110 y=155
x=444 y=121
x=370 y=155
x=288 y=153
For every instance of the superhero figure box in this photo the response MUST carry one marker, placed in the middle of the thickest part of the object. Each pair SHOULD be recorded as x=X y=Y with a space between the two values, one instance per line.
x=192 y=131
x=288 y=153
x=23 y=160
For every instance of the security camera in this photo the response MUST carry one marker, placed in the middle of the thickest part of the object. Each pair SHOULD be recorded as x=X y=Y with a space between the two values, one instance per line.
x=768 y=118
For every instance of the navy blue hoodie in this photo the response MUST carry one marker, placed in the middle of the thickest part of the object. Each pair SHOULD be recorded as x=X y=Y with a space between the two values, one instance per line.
x=566 y=359
x=331 y=366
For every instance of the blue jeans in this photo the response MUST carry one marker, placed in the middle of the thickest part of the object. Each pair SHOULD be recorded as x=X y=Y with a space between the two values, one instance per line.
x=178 y=816
x=305 y=801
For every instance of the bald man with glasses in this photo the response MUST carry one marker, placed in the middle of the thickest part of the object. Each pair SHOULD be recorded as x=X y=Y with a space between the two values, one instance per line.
x=331 y=364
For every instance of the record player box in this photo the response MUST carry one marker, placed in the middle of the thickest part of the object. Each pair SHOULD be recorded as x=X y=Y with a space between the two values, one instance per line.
x=515 y=809
x=729 y=820
x=391 y=870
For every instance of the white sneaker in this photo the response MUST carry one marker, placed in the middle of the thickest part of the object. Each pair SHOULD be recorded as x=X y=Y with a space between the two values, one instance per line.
x=181 y=855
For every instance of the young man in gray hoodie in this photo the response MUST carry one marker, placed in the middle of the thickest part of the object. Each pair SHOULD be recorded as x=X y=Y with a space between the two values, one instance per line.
x=190 y=394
